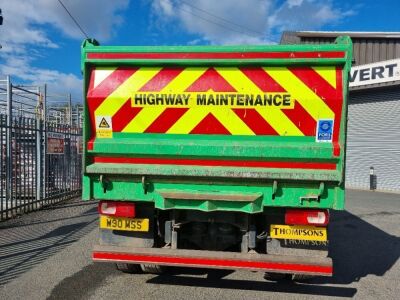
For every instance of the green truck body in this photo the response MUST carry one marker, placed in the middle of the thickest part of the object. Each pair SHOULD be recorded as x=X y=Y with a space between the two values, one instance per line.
x=203 y=134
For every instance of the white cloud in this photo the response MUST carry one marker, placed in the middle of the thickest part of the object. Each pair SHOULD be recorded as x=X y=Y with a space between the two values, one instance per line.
x=294 y=3
x=58 y=82
x=97 y=17
x=306 y=15
x=246 y=21
x=210 y=19
x=25 y=35
x=25 y=21
x=165 y=6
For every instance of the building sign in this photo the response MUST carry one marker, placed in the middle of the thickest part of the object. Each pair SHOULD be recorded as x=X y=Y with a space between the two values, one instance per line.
x=383 y=71
x=55 y=143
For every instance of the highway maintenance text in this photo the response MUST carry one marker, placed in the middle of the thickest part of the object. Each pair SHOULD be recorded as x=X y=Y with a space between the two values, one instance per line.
x=231 y=100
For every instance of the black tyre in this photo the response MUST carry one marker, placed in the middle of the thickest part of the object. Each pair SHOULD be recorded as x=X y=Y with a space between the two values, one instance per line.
x=128 y=268
x=276 y=276
x=152 y=269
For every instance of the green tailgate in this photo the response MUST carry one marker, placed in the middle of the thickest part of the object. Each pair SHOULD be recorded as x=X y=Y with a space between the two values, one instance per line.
x=216 y=128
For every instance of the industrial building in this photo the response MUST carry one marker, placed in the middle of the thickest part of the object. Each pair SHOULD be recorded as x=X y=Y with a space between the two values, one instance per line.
x=374 y=106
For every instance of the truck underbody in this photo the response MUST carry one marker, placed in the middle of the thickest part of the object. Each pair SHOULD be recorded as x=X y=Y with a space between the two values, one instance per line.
x=223 y=240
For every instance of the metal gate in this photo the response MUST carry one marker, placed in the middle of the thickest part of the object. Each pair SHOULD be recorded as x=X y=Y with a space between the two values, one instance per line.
x=40 y=160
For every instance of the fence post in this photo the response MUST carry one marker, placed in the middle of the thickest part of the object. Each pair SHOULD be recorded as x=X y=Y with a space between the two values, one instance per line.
x=69 y=176
x=70 y=110
x=38 y=155
x=9 y=167
x=45 y=172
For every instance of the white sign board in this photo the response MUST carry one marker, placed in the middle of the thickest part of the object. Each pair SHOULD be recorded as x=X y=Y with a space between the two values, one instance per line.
x=383 y=71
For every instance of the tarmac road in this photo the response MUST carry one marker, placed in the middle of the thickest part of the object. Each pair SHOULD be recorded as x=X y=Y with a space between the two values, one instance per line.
x=46 y=254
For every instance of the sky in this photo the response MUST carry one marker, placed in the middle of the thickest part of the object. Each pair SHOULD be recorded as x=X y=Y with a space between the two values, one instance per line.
x=41 y=44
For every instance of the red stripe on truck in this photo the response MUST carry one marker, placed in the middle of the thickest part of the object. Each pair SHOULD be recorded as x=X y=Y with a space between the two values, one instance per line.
x=262 y=79
x=166 y=119
x=214 y=162
x=213 y=262
x=302 y=119
x=161 y=79
x=339 y=86
x=255 y=121
x=219 y=55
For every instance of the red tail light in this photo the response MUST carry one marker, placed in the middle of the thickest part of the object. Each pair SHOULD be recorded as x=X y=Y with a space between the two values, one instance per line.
x=117 y=209
x=307 y=217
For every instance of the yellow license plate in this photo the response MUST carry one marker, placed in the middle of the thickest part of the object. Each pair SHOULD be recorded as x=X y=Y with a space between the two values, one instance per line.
x=127 y=224
x=295 y=232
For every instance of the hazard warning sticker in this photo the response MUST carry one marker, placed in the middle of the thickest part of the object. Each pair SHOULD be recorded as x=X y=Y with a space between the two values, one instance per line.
x=103 y=127
x=324 y=131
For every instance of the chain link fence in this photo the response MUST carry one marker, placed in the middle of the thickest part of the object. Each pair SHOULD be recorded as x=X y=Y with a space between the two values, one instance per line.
x=40 y=159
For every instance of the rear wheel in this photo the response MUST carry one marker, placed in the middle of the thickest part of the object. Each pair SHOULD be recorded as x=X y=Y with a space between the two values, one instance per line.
x=152 y=269
x=128 y=268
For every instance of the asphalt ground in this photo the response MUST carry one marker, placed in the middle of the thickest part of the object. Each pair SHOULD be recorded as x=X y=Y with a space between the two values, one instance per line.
x=46 y=255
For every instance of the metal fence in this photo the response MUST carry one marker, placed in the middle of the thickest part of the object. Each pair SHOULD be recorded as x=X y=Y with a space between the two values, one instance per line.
x=40 y=160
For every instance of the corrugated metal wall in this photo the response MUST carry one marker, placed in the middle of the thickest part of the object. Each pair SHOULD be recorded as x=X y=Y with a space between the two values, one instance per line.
x=374 y=138
x=366 y=50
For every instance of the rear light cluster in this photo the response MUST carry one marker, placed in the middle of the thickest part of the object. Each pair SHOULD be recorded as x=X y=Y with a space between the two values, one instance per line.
x=307 y=217
x=117 y=209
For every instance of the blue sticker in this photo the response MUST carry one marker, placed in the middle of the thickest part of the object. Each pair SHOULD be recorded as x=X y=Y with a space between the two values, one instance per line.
x=324 y=131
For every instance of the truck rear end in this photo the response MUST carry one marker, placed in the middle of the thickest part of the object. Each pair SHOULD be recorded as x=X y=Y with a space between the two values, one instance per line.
x=217 y=157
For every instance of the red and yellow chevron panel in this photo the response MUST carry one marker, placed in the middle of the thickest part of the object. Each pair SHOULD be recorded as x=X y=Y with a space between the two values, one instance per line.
x=283 y=101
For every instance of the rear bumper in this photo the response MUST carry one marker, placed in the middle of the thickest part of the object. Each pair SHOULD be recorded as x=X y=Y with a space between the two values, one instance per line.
x=216 y=260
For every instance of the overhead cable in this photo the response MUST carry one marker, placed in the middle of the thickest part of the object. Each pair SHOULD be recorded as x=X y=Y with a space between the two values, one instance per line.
x=73 y=19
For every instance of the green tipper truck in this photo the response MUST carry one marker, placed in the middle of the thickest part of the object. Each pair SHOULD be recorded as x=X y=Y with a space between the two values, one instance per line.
x=217 y=157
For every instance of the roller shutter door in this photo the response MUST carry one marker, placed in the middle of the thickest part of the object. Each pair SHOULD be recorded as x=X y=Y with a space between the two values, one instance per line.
x=374 y=138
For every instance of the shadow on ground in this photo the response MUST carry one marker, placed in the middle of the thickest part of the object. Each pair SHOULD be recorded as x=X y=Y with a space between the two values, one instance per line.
x=82 y=283
x=358 y=249
x=22 y=247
